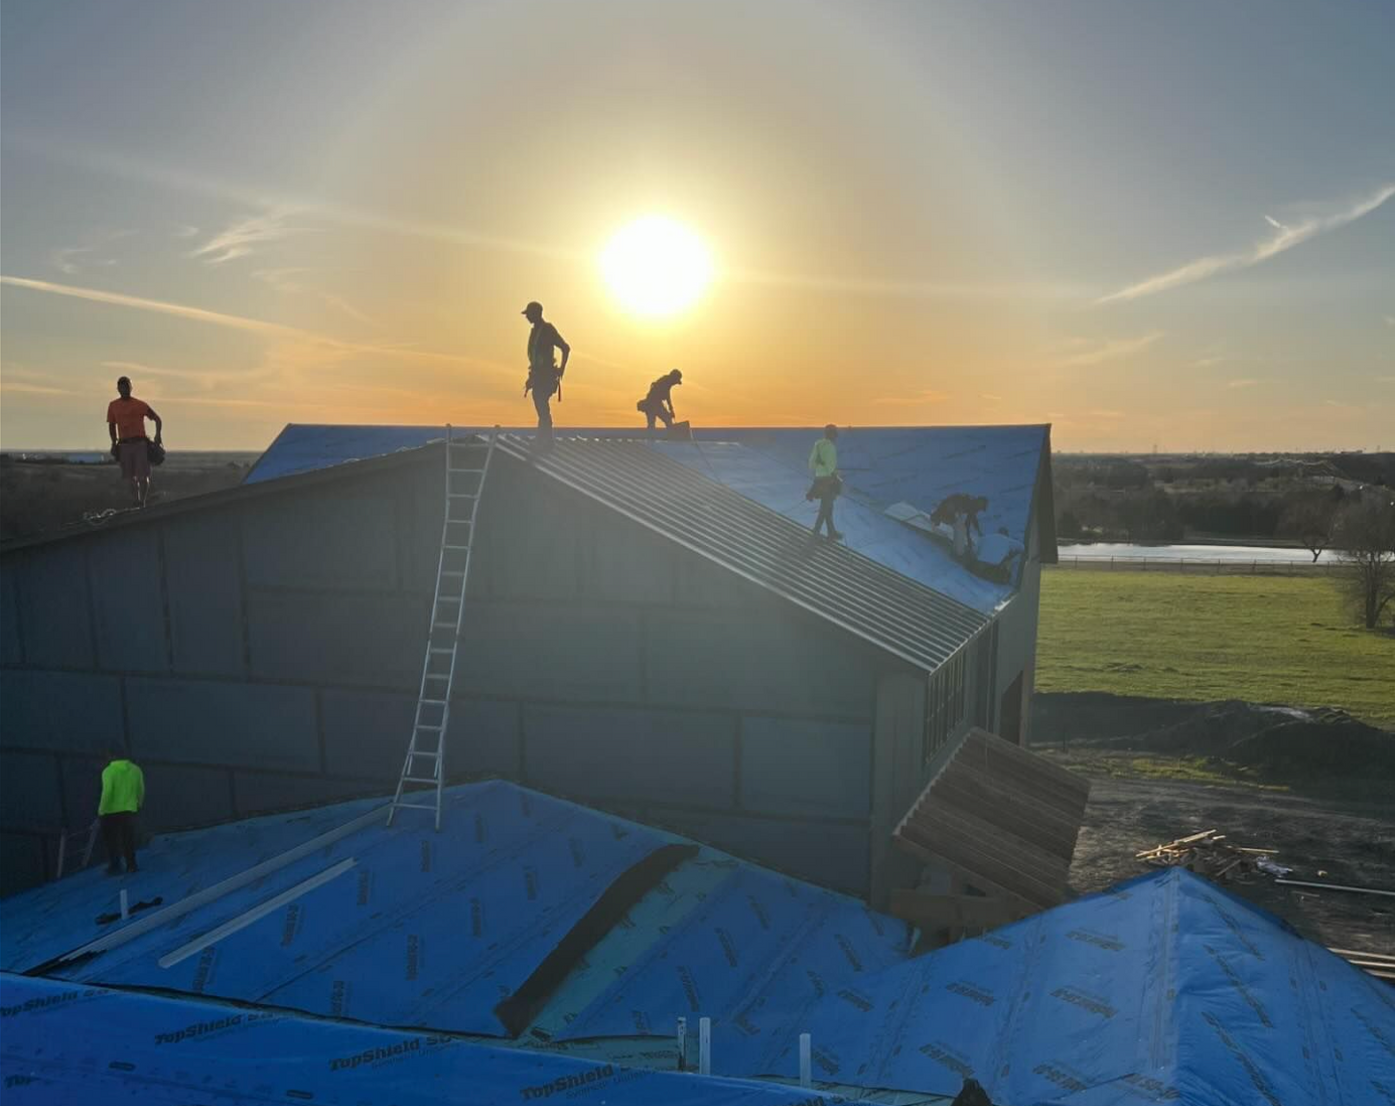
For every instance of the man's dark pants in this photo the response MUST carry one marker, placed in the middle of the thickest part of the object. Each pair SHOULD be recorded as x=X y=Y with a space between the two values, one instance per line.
x=826 y=488
x=660 y=413
x=542 y=399
x=119 y=836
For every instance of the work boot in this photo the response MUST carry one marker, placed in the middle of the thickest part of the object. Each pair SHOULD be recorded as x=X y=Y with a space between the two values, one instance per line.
x=835 y=535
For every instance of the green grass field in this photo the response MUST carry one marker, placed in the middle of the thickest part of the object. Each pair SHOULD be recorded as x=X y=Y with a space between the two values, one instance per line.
x=1268 y=639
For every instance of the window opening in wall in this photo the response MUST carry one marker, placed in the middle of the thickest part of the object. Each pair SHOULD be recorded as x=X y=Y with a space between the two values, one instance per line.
x=946 y=700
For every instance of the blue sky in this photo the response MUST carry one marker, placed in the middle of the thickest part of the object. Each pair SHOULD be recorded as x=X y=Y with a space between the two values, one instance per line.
x=1166 y=224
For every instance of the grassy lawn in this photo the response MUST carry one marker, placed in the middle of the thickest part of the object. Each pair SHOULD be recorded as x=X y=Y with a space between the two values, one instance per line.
x=1267 y=639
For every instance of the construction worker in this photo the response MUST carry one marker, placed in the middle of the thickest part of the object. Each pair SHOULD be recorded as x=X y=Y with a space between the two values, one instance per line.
x=823 y=464
x=126 y=417
x=658 y=404
x=544 y=374
x=123 y=792
x=960 y=512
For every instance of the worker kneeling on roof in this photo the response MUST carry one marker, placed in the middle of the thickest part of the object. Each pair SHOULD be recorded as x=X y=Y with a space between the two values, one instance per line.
x=123 y=793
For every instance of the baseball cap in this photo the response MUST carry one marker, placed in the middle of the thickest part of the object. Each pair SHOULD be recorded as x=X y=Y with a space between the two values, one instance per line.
x=533 y=305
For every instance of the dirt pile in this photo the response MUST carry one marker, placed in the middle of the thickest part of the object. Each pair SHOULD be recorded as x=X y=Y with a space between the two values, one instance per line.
x=1275 y=741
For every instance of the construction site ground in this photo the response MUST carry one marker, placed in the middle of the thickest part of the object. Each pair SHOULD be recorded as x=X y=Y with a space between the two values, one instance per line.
x=1161 y=771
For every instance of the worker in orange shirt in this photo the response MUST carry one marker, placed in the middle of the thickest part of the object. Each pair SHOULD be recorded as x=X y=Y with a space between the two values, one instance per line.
x=126 y=422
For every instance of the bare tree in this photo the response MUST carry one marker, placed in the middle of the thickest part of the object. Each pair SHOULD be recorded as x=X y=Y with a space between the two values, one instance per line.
x=1366 y=537
x=1313 y=521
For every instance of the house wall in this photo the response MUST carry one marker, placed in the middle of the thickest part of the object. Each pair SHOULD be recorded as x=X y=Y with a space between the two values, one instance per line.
x=1017 y=632
x=265 y=654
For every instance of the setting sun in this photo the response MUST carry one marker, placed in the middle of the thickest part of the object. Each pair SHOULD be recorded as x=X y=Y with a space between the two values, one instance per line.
x=656 y=267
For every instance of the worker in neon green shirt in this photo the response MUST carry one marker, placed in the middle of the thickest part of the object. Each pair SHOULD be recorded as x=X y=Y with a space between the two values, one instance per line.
x=823 y=464
x=123 y=792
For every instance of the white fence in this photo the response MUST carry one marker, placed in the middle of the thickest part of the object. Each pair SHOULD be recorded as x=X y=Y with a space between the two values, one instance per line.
x=1228 y=566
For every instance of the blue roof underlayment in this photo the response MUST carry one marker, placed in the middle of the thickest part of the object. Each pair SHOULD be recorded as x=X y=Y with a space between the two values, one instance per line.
x=1164 y=989
x=65 y=1044
x=882 y=467
x=419 y=929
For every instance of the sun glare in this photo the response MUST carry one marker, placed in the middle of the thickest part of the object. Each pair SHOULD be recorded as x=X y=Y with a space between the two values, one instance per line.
x=656 y=267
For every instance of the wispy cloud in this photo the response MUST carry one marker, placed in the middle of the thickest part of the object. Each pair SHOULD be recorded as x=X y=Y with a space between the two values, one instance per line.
x=1244 y=382
x=1207 y=362
x=242 y=237
x=1100 y=413
x=1086 y=351
x=927 y=395
x=892 y=288
x=1284 y=238
x=254 y=326
x=33 y=389
x=140 y=303
x=289 y=280
x=71 y=260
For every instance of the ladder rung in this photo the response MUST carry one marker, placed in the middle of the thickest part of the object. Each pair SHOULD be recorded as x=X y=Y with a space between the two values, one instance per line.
x=433 y=702
x=429 y=726
x=464 y=470
x=418 y=779
x=450 y=599
x=462 y=495
x=465 y=547
x=423 y=753
x=437 y=675
x=416 y=806
x=443 y=625
x=439 y=649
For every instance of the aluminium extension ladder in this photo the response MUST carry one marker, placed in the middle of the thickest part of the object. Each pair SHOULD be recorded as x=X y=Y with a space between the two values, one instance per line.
x=467 y=466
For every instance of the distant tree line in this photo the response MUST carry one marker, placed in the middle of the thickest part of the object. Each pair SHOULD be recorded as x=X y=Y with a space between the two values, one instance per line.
x=1137 y=499
x=1311 y=501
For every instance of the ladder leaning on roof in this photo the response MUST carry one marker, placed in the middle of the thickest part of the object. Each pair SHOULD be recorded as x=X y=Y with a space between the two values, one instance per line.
x=467 y=467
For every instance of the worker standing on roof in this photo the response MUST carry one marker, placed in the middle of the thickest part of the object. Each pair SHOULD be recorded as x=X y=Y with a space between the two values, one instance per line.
x=544 y=373
x=823 y=464
x=658 y=404
x=123 y=792
x=126 y=417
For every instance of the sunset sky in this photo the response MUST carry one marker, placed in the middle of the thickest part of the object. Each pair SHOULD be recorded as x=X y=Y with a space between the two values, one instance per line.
x=1148 y=224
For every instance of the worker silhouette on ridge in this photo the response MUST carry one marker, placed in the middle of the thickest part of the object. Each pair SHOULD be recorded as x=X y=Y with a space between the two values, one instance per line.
x=658 y=404
x=827 y=485
x=126 y=417
x=544 y=373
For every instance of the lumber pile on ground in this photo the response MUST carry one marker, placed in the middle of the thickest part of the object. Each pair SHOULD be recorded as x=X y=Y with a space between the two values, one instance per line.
x=1379 y=964
x=1208 y=853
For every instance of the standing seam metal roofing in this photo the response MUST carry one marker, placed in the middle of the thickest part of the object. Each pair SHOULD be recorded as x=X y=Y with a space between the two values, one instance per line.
x=902 y=617
x=888 y=471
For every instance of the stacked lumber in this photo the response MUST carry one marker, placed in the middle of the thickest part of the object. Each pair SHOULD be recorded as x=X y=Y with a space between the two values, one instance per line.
x=1000 y=823
x=1379 y=964
x=1207 y=853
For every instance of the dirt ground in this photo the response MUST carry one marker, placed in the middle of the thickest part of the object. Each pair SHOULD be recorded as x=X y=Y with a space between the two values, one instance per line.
x=1352 y=842
x=42 y=497
x=1316 y=787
